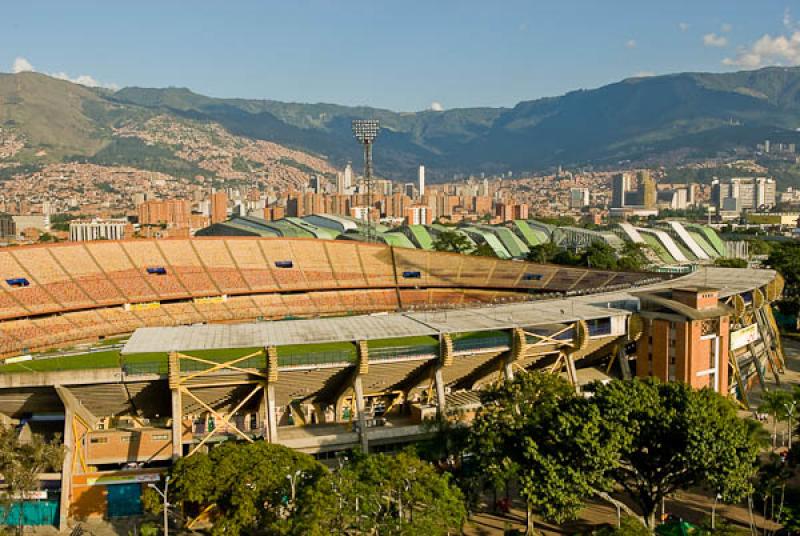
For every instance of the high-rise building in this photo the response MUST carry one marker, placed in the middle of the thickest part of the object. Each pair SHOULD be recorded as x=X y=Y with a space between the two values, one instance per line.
x=169 y=212
x=418 y=215
x=348 y=176
x=578 y=198
x=219 y=207
x=737 y=194
x=647 y=189
x=421 y=177
x=8 y=228
x=620 y=186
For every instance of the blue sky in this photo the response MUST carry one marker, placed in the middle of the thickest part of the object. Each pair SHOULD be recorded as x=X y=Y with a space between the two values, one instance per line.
x=404 y=54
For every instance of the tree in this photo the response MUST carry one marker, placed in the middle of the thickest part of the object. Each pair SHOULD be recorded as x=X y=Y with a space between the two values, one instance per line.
x=21 y=462
x=452 y=241
x=725 y=262
x=543 y=253
x=253 y=487
x=536 y=428
x=382 y=494
x=774 y=403
x=670 y=437
x=484 y=250
x=601 y=256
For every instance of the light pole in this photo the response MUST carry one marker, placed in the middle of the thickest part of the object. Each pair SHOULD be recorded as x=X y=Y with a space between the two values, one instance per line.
x=365 y=131
x=166 y=502
x=790 y=413
x=714 y=510
x=293 y=483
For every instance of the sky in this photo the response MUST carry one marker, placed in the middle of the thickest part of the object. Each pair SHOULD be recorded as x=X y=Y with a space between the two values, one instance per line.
x=406 y=55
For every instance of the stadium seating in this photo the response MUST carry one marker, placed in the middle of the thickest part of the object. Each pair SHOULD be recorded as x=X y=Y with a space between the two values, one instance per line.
x=180 y=255
x=343 y=257
x=145 y=254
x=114 y=261
x=82 y=269
x=252 y=264
x=105 y=288
x=312 y=259
x=223 y=270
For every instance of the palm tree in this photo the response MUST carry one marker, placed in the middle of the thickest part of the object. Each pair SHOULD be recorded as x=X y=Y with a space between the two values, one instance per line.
x=774 y=403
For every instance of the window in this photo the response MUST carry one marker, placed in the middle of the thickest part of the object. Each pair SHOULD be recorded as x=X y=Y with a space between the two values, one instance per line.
x=159 y=437
x=18 y=282
x=412 y=275
x=98 y=440
x=532 y=277
x=284 y=264
x=156 y=270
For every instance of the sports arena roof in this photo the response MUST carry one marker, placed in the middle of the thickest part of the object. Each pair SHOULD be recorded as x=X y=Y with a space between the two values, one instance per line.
x=372 y=327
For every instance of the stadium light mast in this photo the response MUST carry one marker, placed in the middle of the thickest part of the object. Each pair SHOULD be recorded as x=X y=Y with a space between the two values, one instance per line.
x=365 y=131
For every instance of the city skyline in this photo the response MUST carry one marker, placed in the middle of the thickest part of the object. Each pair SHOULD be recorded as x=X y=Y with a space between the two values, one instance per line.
x=417 y=57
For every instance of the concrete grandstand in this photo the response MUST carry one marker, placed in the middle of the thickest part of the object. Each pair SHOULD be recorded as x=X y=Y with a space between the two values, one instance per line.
x=329 y=345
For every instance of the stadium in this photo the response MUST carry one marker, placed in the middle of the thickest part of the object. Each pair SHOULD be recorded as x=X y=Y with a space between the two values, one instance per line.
x=139 y=352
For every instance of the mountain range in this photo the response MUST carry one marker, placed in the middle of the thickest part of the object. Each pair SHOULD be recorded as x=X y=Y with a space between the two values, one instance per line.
x=660 y=119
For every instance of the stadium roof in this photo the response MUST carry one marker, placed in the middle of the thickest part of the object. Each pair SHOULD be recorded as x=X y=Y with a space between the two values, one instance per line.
x=371 y=327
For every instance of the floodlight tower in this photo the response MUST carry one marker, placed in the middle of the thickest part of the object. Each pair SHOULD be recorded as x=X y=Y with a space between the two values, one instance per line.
x=365 y=131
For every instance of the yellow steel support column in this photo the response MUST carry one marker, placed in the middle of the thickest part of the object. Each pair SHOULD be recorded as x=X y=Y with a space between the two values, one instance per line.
x=362 y=368
x=519 y=345
x=270 y=416
x=177 y=405
x=445 y=360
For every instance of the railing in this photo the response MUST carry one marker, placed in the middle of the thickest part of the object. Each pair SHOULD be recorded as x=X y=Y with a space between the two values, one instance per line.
x=316 y=358
x=146 y=367
x=398 y=352
x=477 y=343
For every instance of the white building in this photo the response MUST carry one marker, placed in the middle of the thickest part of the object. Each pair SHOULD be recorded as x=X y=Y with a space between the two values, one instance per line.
x=81 y=231
x=421 y=177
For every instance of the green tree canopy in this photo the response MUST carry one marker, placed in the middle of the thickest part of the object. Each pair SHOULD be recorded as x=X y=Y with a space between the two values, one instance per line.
x=452 y=241
x=670 y=437
x=382 y=494
x=250 y=485
x=22 y=461
x=536 y=428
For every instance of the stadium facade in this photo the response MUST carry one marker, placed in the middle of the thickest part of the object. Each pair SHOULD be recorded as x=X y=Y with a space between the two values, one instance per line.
x=140 y=352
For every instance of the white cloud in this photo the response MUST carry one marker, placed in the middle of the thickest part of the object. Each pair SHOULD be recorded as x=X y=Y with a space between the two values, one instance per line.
x=726 y=27
x=436 y=106
x=644 y=74
x=631 y=43
x=768 y=50
x=788 y=22
x=714 y=40
x=523 y=27
x=22 y=65
x=683 y=26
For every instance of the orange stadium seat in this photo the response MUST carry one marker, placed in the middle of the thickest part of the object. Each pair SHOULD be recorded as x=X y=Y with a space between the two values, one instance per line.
x=144 y=255
x=82 y=269
x=220 y=266
x=285 y=268
x=243 y=308
x=345 y=263
x=121 y=272
x=214 y=311
x=184 y=313
x=311 y=257
x=377 y=263
x=300 y=305
x=252 y=264
x=180 y=255
x=271 y=305
x=154 y=317
x=44 y=268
